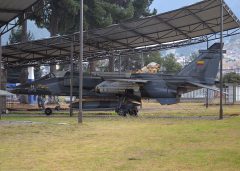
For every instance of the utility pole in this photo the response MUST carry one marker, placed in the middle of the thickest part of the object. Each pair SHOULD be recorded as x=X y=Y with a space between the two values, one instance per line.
x=221 y=63
x=1 y=99
x=80 y=62
x=207 y=98
x=142 y=60
x=111 y=64
x=71 y=81
x=120 y=64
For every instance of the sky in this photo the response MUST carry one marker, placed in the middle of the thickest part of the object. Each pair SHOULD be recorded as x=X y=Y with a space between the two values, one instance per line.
x=160 y=5
x=168 y=5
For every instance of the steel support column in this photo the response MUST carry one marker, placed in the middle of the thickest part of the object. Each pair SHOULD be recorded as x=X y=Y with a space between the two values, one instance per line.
x=207 y=43
x=1 y=100
x=142 y=60
x=111 y=64
x=71 y=81
x=80 y=62
x=207 y=98
x=120 y=64
x=221 y=63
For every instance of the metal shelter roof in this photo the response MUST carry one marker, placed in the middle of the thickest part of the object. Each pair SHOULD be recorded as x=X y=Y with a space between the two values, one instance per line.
x=188 y=25
x=11 y=9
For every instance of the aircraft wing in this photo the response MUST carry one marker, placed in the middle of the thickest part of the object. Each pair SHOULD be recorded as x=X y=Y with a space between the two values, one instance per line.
x=137 y=81
x=5 y=93
x=214 y=88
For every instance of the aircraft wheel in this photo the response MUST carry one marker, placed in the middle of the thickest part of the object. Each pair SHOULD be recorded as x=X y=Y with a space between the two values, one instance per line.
x=121 y=112
x=133 y=113
x=48 y=111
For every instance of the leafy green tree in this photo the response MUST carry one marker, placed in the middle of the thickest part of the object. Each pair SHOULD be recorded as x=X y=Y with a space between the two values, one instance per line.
x=62 y=16
x=193 y=56
x=128 y=63
x=135 y=62
x=141 y=8
x=154 y=56
x=104 y=13
x=231 y=77
x=16 y=35
x=58 y=16
x=21 y=35
x=170 y=64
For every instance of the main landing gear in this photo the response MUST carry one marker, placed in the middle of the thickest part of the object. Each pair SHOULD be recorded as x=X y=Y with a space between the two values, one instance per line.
x=127 y=107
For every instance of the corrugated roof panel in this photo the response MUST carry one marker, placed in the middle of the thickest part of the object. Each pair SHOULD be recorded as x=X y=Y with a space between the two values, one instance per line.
x=16 y=4
x=11 y=9
x=187 y=23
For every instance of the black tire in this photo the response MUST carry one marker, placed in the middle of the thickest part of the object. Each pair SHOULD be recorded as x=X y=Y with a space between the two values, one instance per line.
x=121 y=112
x=133 y=113
x=48 y=111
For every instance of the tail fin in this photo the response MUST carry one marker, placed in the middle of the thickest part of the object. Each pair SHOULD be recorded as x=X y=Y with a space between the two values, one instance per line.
x=205 y=67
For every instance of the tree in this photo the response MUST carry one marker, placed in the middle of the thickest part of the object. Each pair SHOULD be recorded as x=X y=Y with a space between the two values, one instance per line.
x=16 y=35
x=107 y=12
x=193 y=56
x=141 y=8
x=153 y=57
x=170 y=64
x=62 y=16
x=128 y=63
x=231 y=77
x=21 y=35
x=57 y=16
x=135 y=62
x=104 y=13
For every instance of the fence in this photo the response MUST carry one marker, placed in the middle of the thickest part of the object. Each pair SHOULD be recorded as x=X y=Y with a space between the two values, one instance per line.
x=231 y=95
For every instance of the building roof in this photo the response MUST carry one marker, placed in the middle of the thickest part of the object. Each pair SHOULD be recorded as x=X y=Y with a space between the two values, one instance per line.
x=11 y=9
x=188 y=25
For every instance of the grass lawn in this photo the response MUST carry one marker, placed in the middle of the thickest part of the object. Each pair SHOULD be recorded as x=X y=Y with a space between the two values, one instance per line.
x=155 y=109
x=119 y=144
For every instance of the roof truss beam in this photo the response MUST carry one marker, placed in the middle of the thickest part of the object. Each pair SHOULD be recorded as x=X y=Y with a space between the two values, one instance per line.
x=28 y=51
x=139 y=33
x=173 y=27
x=3 y=22
x=114 y=41
x=10 y=11
x=202 y=21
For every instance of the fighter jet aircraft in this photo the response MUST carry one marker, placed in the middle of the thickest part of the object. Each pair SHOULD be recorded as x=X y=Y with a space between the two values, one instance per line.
x=124 y=92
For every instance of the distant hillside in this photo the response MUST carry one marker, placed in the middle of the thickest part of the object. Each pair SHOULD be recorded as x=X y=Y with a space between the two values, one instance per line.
x=232 y=58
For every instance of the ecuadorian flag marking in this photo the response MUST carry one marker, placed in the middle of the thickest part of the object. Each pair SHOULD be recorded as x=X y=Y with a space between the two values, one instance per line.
x=200 y=63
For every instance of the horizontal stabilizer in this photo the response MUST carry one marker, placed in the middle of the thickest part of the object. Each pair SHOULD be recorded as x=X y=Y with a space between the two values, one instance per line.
x=214 y=88
x=129 y=80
